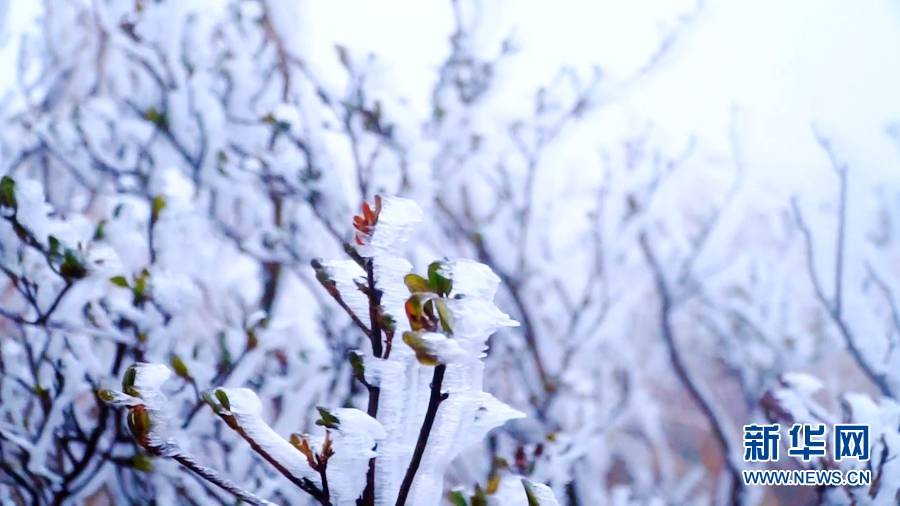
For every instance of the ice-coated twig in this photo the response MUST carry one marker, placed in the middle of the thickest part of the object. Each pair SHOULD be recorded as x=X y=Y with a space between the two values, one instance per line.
x=148 y=422
x=834 y=306
x=240 y=409
x=434 y=401
x=322 y=275
x=213 y=477
x=705 y=404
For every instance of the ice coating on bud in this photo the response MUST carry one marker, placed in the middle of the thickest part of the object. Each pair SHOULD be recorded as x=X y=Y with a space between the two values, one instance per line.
x=443 y=349
x=246 y=408
x=242 y=402
x=475 y=319
x=471 y=278
x=468 y=413
x=453 y=335
x=389 y=273
x=148 y=406
x=491 y=413
x=118 y=398
x=353 y=443
x=33 y=210
x=796 y=398
x=149 y=378
x=539 y=494
x=396 y=221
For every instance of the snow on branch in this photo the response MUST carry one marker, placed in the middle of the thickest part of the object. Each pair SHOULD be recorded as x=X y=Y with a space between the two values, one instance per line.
x=426 y=399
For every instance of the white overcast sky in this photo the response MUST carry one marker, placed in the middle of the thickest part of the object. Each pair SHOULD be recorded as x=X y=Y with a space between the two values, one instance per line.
x=782 y=66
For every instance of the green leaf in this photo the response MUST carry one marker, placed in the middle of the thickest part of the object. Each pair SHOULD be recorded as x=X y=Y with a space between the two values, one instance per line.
x=157 y=118
x=323 y=277
x=142 y=462
x=419 y=308
x=210 y=399
x=416 y=283
x=106 y=395
x=222 y=397
x=479 y=498
x=457 y=498
x=423 y=353
x=158 y=204
x=53 y=242
x=225 y=360
x=100 y=231
x=180 y=367
x=139 y=423
x=358 y=364
x=8 y=192
x=128 y=381
x=72 y=267
x=327 y=420
x=440 y=284
x=388 y=324
x=119 y=281
x=529 y=493
x=445 y=316
x=493 y=484
x=139 y=291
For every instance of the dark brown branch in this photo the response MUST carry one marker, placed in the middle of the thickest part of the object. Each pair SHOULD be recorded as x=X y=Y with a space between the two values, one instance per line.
x=91 y=446
x=336 y=295
x=430 y=413
x=368 y=498
x=681 y=370
x=833 y=308
x=374 y=309
x=303 y=483
x=217 y=480
x=888 y=297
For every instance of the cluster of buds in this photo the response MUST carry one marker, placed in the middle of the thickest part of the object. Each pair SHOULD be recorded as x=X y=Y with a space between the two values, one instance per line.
x=427 y=311
x=317 y=460
x=139 y=420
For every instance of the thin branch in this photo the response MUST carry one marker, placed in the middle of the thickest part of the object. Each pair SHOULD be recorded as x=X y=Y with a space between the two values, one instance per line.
x=681 y=370
x=304 y=484
x=374 y=295
x=335 y=294
x=888 y=296
x=213 y=477
x=368 y=498
x=512 y=286
x=436 y=398
x=833 y=308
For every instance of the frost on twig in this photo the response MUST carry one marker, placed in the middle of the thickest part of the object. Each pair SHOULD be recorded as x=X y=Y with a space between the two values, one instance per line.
x=506 y=489
x=241 y=410
x=792 y=401
x=428 y=393
x=148 y=421
x=330 y=469
x=426 y=398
